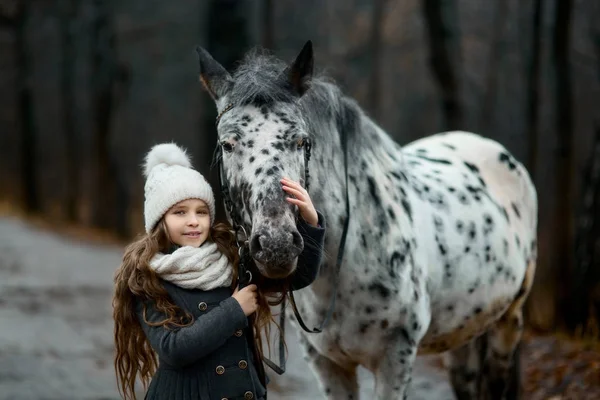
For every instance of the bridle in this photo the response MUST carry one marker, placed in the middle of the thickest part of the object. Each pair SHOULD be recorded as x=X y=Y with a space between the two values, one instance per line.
x=245 y=276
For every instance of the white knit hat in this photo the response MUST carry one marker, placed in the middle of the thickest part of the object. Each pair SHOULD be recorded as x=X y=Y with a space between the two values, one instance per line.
x=170 y=179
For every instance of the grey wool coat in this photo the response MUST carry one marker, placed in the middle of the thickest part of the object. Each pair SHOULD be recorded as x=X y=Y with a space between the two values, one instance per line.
x=213 y=359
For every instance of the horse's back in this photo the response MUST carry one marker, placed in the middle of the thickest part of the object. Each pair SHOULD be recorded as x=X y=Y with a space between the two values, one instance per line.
x=507 y=180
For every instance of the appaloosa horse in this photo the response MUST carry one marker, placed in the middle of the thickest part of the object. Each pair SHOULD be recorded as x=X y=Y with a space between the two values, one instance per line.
x=441 y=241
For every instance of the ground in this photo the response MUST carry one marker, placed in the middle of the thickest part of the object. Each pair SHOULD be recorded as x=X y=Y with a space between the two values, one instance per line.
x=56 y=331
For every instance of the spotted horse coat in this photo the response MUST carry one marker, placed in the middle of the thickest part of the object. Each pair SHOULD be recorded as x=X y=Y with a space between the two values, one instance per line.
x=441 y=244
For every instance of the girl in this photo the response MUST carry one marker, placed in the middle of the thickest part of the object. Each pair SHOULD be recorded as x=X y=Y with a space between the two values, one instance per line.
x=176 y=293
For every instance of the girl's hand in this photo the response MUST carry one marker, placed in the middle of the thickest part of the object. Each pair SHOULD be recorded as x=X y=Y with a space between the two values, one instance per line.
x=302 y=200
x=247 y=299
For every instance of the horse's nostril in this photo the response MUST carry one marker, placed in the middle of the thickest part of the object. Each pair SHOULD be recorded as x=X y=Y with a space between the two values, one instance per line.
x=255 y=243
x=297 y=240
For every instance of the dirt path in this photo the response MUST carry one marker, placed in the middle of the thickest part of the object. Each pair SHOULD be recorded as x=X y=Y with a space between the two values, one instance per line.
x=56 y=326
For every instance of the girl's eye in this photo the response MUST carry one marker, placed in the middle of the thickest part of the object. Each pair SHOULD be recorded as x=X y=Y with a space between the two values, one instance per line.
x=179 y=212
x=203 y=212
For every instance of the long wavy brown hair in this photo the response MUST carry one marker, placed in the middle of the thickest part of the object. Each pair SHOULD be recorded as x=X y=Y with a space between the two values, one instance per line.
x=136 y=281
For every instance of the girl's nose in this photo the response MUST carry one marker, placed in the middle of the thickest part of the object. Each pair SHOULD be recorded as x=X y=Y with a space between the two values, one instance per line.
x=193 y=221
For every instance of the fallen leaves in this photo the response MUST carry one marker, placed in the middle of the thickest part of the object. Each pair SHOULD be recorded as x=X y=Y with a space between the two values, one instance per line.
x=559 y=369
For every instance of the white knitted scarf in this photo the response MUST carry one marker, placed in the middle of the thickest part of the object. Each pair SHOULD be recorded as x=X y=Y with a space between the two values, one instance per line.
x=203 y=267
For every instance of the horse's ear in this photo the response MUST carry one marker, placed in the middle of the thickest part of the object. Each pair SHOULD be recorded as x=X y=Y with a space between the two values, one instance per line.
x=301 y=70
x=215 y=79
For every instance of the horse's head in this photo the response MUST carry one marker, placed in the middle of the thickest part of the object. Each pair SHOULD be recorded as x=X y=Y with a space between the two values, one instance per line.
x=262 y=138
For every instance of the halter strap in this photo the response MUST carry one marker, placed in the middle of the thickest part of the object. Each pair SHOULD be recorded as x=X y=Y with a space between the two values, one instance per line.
x=227 y=108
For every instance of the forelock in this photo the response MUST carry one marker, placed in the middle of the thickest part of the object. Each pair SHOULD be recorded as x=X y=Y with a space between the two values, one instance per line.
x=258 y=81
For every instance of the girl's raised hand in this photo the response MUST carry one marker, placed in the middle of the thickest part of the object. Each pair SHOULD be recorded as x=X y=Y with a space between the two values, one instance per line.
x=300 y=198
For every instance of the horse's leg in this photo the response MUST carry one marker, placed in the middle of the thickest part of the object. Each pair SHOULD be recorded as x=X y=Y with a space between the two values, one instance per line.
x=394 y=372
x=465 y=364
x=337 y=382
x=501 y=367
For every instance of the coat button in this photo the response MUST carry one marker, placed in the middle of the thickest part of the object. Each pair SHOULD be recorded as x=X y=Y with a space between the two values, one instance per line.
x=243 y=364
x=220 y=370
x=248 y=395
x=202 y=306
x=238 y=333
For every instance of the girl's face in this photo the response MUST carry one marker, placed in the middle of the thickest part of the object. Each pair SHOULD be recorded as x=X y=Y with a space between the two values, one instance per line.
x=188 y=222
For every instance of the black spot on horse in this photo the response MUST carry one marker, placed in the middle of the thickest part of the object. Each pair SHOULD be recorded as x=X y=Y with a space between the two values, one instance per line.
x=442 y=248
x=264 y=111
x=391 y=213
x=363 y=240
x=516 y=210
x=363 y=327
x=277 y=146
x=407 y=209
x=472 y=167
x=436 y=160
x=506 y=158
x=265 y=152
x=438 y=223
x=373 y=191
x=451 y=147
x=271 y=171
x=381 y=290
x=258 y=171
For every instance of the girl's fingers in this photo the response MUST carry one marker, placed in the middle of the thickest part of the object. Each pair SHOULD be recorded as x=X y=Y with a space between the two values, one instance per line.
x=295 y=192
x=297 y=202
x=292 y=183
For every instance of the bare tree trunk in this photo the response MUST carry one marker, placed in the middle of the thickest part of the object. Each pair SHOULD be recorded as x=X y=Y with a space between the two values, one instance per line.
x=533 y=86
x=587 y=240
x=268 y=23
x=442 y=29
x=586 y=274
x=103 y=76
x=27 y=126
x=496 y=51
x=68 y=13
x=374 y=96
x=564 y=125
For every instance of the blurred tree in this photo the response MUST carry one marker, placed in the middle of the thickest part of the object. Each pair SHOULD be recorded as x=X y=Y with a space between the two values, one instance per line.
x=268 y=25
x=110 y=202
x=533 y=85
x=441 y=18
x=493 y=67
x=25 y=106
x=68 y=10
x=565 y=162
x=376 y=49
x=585 y=291
x=586 y=272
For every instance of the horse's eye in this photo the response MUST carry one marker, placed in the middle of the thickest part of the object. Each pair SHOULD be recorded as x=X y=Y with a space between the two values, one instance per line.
x=228 y=147
x=300 y=143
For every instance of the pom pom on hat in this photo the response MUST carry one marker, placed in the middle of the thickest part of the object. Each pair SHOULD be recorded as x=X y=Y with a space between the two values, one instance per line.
x=171 y=179
x=166 y=153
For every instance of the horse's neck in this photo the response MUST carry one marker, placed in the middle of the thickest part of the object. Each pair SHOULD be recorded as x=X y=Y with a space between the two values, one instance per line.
x=369 y=150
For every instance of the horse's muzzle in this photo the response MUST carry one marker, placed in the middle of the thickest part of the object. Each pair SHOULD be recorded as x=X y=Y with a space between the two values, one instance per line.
x=276 y=251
